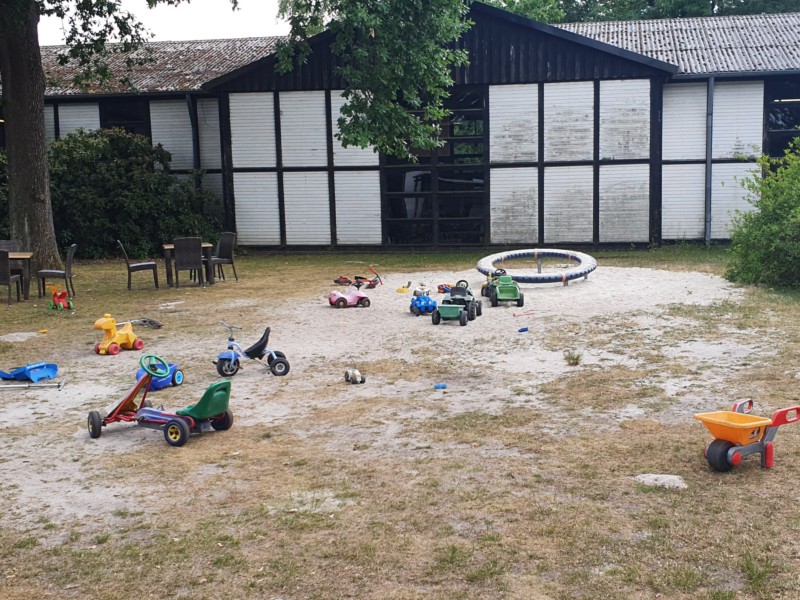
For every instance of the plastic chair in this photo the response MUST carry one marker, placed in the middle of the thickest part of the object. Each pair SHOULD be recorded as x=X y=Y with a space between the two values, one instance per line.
x=142 y=266
x=6 y=278
x=188 y=257
x=214 y=402
x=224 y=254
x=66 y=274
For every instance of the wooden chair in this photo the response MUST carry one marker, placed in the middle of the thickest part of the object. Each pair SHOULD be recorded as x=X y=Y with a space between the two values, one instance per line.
x=6 y=278
x=135 y=267
x=45 y=274
x=224 y=254
x=188 y=254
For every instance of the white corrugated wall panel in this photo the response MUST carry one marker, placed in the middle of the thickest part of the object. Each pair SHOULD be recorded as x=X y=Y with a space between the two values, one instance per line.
x=171 y=126
x=568 y=202
x=303 y=129
x=625 y=119
x=515 y=206
x=625 y=203
x=358 y=207
x=513 y=123
x=738 y=119
x=49 y=123
x=352 y=156
x=208 y=130
x=683 y=202
x=306 y=203
x=252 y=129
x=728 y=195
x=213 y=183
x=76 y=116
x=569 y=121
x=257 y=214
x=684 y=128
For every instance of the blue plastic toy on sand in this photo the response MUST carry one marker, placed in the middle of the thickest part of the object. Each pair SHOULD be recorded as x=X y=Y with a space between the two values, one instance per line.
x=174 y=377
x=33 y=372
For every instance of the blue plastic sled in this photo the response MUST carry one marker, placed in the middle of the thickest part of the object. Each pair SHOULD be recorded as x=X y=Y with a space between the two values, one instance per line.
x=174 y=377
x=33 y=372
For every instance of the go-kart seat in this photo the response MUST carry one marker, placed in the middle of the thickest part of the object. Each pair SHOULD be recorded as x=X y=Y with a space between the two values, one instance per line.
x=214 y=402
x=505 y=280
x=257 y=349
x=458 y=291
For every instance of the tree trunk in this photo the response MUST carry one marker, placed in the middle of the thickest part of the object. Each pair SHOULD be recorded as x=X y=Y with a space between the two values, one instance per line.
x=30 y=211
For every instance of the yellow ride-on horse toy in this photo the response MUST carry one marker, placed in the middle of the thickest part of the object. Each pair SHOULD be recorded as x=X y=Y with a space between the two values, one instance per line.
x=113 y=338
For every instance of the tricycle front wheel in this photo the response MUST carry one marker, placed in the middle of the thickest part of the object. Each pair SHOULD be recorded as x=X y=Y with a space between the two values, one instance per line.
x=95 y=424
x=227 y=367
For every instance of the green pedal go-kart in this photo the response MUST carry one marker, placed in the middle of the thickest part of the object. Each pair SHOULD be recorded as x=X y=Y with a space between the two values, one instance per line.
x=458 y=304
x=500 y=287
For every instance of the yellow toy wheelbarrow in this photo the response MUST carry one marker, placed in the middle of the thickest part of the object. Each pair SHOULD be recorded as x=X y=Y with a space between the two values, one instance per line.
x=738 y=434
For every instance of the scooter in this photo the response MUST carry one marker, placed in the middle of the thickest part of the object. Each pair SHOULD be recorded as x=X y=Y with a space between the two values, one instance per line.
x=229 y=362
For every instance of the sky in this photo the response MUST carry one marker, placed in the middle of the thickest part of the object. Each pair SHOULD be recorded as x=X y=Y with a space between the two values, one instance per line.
x=199 y=20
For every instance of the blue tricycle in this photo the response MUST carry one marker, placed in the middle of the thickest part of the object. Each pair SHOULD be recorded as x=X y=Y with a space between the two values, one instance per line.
x=229 y=362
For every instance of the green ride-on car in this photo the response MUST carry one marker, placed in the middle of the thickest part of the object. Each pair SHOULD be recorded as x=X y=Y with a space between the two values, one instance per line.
x=458 y=304
x=500 y=287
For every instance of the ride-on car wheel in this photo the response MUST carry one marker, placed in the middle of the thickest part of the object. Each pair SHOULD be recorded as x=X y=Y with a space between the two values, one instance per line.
x=97 y=348
x=417 y=312
x=341 y=303
x=436 y=317
x=147 y=404
x=364 y=302
x=138 y=344
x=493 y=297
x=717 y=455
x=472 y=311
x=177 y=377
x=176 y=432
x=113 y=349
x=463 y=318
x=478 y=308
x=521 y=300
x=94 y=424
x=279 y=367
x=227 y=368
x=223 y=422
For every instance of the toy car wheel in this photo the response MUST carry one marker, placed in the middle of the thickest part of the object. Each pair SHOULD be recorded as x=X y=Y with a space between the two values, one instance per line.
x=279 y=367
x=417 y=312
x=113 y=349
x=341 y=303
x=493 y=298
x=478 y=308
x=97 y=348
x=521 y=300
x=364 y=302
x=717 y=455
x=70 y=304
x=51 y=304
x=177 y=377
x=499 y=272
x=463 y=319
x=138 y=344
x=462 y=283
x=95 y=424
x=347 y=376
x=472 y=311
x=223 y=422
x=227 y=368
x=176 y=432
x=436 y=317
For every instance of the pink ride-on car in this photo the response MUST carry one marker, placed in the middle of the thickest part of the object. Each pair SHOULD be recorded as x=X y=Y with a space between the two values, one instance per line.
x=350 y=298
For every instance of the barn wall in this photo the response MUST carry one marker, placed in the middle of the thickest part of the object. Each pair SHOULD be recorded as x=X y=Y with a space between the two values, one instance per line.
x=257 y=214
x=683 y=202
x=358 y=207
x=171 y=126
x=303 y=129
x=515 y=205
x=569 y=203
x=209 y=132
x=75 y=116
x=252 y=122
x=684 y=129
x=353 y=156
x=738 y=119
x=728 y=196
x=514 y=124
x=569 y=122
x=625 y=119
x=625 y=203
x=307 y=206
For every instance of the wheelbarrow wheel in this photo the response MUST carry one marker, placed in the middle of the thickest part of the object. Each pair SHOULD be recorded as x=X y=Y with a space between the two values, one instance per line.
x=223 y=422
x=279 y=367
x=94 y=424
x=176 y=432
x=717 y=455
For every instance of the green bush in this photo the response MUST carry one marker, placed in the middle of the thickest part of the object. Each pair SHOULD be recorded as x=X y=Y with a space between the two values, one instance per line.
x=110 y=184
x=4 y=225
x=765 y=243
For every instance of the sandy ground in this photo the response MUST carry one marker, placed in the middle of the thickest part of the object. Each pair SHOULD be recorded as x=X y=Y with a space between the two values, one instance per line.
x=47 y=455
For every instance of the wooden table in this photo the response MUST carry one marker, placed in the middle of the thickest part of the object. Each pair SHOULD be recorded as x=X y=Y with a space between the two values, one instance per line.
x=25 y=259
x=207 y=248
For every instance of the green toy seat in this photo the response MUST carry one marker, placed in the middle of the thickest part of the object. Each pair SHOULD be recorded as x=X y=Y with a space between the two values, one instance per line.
x=214 y=402
x=505 y=280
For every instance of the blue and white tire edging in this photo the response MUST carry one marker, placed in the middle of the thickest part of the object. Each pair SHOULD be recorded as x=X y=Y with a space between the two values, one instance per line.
x=586 y=264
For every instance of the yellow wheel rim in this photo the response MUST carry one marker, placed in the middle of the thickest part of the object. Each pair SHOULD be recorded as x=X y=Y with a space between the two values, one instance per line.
x=174 y=433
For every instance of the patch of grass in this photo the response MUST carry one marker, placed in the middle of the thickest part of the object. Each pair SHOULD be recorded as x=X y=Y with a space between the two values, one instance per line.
x=572 y=358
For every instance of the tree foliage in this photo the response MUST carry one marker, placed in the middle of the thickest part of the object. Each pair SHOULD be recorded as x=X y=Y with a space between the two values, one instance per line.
x=395 y=58
x=765 y=243
x=546 y=11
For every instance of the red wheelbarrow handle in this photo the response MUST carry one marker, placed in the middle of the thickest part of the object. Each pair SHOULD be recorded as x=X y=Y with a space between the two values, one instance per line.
x=785 y=415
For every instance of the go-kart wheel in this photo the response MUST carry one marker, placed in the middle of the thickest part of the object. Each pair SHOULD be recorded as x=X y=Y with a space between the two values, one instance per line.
x=227 y=368
x=463 y=319
x=364 y=303
x=472 y=311
x=177 y=377
x=478 y=308
x=279 y=367
x=138 y=344
x=462 y=283
x=94 y=423
x=493 y=298
x=152 y=364
x=146 y=404
x=223 y=422
x=436 y=317
x=113 y=349
x=341 y=303
x=521 y=300
x=176 y=432
x=717 y=455
x=485 y=290
x=97 y=348
x=417 y=312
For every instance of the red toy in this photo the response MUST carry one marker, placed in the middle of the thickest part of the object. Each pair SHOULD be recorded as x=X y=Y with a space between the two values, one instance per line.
x=60 y=299
x=360 y=280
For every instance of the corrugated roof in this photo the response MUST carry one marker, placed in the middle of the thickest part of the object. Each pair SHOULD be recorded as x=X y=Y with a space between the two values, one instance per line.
x=707 y=45
x=178 y=66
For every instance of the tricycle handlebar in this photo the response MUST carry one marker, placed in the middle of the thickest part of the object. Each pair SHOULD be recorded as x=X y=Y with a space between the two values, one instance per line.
x=231 y=327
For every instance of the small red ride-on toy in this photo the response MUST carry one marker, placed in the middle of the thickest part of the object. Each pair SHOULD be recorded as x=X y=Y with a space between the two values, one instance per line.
x=211 y=412
x=738 y=434
x=60 y=300
x=113 y=338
